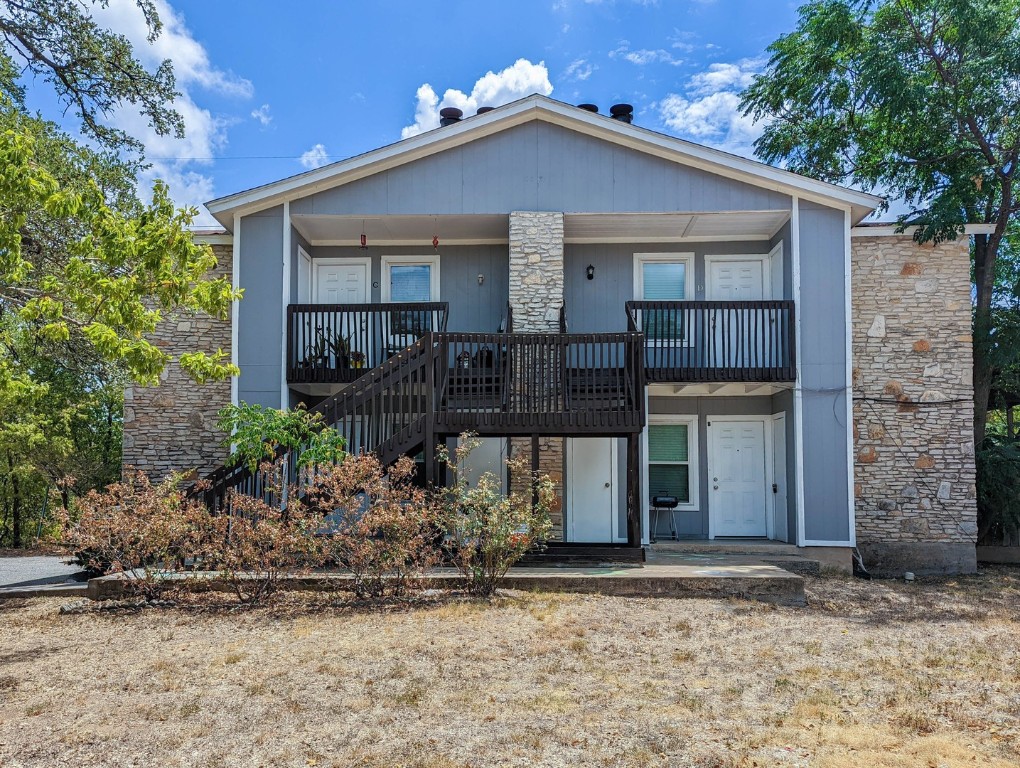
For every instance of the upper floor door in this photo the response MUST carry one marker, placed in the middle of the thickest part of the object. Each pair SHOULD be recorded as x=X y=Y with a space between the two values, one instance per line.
x=733 y=280
x=741 y=336
x=342 y=281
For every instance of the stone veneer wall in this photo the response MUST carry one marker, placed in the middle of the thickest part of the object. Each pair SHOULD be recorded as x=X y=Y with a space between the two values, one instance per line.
x=536 y=295
x=172 y=427
x=913 y=417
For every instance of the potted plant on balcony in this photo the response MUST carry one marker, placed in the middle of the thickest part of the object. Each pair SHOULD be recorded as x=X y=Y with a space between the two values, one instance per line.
x=357 y=359
x=316 y=355
x=340 y=350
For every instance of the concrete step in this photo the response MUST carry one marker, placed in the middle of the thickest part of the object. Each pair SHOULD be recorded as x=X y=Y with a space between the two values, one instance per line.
x=787 y=557
x=728 y=546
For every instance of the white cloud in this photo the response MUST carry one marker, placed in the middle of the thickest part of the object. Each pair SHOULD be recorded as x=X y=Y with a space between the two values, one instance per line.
x=262 y=115
x=493 y=89
x=644 y=56
x=316 y=157
x=579 y=69
x=708 y=110
x=175 y=42
x=175 y=160
x=721 y=76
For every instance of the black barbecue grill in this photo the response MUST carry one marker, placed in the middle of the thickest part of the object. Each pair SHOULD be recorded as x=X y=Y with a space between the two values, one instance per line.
x=668 y=504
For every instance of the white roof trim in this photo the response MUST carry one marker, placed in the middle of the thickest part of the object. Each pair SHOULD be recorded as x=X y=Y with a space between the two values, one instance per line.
x=538 y=107
x=892 y=230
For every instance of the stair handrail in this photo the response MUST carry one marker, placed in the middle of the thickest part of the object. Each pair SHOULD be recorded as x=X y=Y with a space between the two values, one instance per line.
x=215 y=486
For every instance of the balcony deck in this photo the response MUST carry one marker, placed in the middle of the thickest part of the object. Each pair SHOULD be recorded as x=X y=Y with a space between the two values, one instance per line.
x=716 y=341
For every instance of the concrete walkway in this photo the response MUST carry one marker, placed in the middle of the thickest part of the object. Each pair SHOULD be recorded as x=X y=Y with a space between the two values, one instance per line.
x=40 y=575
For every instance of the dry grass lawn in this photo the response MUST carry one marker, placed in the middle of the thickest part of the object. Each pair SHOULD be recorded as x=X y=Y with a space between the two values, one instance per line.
x=870 y=674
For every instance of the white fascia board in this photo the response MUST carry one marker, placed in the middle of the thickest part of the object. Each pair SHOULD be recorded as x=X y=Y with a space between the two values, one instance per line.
x=542 y=108
x=892 y=230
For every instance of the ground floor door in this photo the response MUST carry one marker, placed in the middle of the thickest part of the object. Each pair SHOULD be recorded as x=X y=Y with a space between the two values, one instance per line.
x=591 y=490
x=736 y=468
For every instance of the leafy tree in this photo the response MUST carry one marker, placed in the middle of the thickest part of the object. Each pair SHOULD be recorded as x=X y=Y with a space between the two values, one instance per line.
x=92 y=70
x=87 y=270
x=60 y=427
x=916 y=98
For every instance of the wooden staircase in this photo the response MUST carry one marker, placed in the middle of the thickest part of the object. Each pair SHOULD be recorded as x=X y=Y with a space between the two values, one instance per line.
x=497 y=384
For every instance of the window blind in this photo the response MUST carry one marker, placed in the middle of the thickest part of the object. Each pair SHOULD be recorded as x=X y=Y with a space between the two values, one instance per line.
x=664 y=280
x=670 y=480
x=667 y=442
x=410 y=282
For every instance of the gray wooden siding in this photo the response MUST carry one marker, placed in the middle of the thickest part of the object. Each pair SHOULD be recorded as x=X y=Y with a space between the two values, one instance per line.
x=598 y=306
x=539 y=167
x=694 y=524
x=823 y=373
x=473 y=307
x=260 y=312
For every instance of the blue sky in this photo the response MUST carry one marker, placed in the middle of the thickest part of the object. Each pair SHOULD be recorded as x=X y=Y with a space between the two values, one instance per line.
x=270 y=89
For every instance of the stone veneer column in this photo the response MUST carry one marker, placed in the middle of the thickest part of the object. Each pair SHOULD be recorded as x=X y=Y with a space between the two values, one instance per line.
x=536 y=295
x=536 y=270
x=172 y=427
x=914 y=475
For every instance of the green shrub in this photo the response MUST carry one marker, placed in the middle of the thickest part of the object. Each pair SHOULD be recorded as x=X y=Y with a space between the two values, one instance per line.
x=256 y=432
x=488 y=531
x=998 y=487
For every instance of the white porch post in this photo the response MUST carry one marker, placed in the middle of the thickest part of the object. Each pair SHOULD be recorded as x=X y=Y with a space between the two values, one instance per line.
x=798 y=392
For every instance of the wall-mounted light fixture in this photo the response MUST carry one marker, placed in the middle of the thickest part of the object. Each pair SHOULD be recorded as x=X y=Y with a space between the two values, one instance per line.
x=364 y=239
x=481 y=278
x=590 y=271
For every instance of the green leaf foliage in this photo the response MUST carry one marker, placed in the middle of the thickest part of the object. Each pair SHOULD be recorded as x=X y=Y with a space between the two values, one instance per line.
x=916 y=98
x=257 y=432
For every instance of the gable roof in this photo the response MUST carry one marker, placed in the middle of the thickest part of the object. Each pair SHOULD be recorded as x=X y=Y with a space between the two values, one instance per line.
x=537 y=107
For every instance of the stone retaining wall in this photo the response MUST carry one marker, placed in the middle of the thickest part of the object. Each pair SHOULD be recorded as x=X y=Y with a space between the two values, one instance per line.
x=913 y=414
x=172 y=427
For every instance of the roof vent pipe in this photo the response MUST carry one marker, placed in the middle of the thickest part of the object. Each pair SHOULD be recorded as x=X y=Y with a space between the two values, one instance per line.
x=622 y=112
x=483 y=110
x=589 y=108
x=449 y=116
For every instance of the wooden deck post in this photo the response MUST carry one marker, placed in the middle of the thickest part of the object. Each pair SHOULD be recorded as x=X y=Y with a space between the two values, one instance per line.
x=633 y=492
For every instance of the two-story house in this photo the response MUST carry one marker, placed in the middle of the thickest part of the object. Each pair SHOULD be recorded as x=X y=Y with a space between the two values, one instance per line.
x=646 y=317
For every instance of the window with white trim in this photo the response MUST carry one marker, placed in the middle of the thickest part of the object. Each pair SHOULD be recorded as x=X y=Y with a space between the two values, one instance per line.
x=663 y=277
x=670 y=453
x=407 y=279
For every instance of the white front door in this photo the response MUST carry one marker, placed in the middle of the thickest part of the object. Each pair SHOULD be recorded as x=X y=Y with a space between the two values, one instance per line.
x=591 y=490
x=736 y=470
x=732 y=280
x=739 y=338
x=339 y=283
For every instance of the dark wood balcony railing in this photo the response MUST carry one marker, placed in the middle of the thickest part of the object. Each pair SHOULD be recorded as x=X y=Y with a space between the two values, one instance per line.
x=716 y=341
x=529 y=383
x=337 y=343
